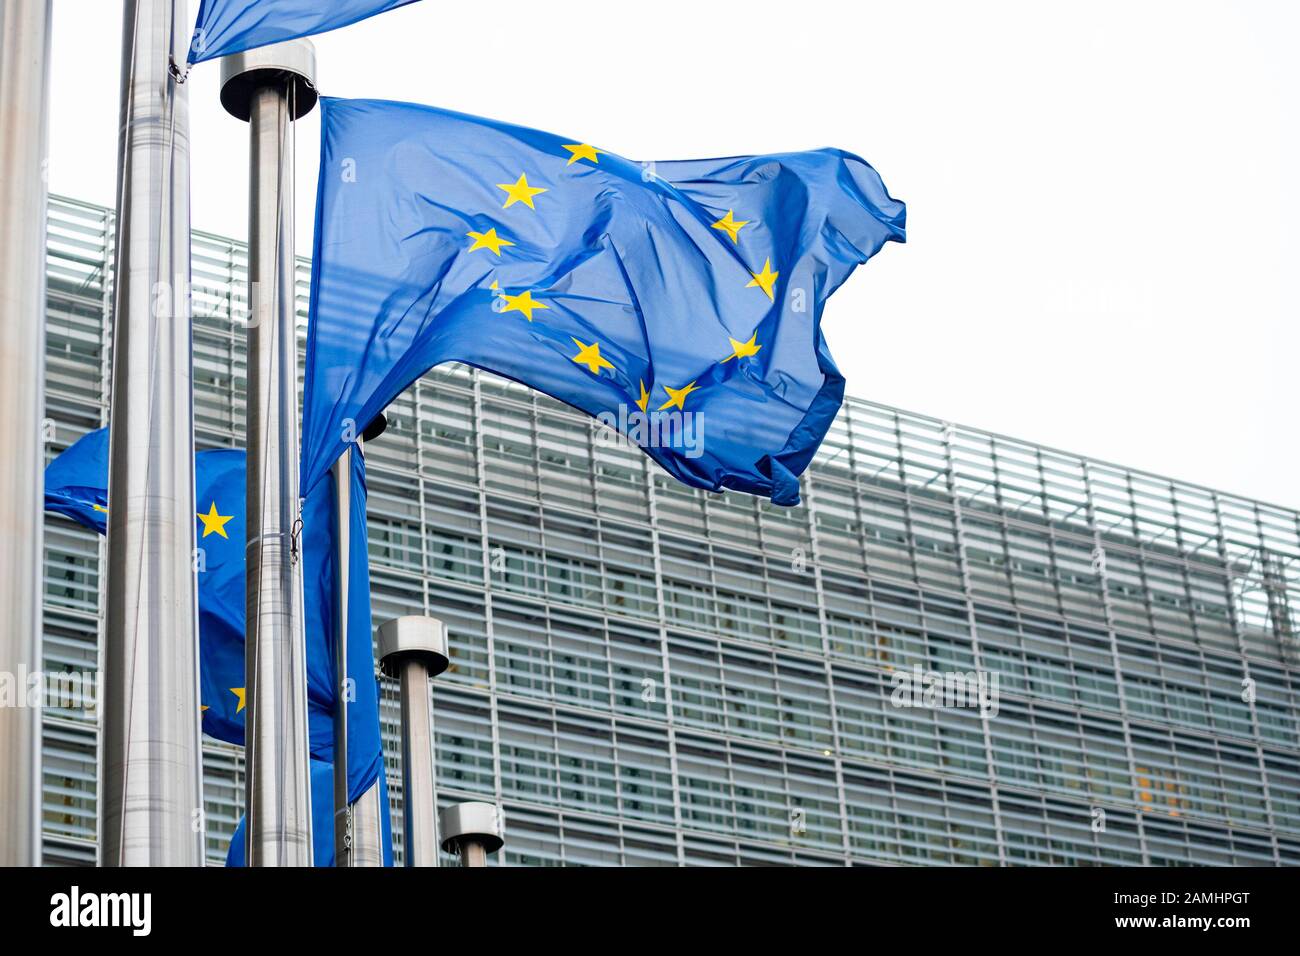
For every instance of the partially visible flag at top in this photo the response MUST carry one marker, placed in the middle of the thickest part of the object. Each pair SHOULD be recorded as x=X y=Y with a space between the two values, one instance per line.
x=679 y=302
x=232 y=26
x=76 y=486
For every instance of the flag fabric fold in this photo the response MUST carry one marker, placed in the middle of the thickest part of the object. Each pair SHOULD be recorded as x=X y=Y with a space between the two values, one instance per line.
x=225 y=27
x=365 y=752
x=678 y=302
x=76 y=487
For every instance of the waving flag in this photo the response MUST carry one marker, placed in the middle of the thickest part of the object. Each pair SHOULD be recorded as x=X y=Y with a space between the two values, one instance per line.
x=679 y=302
x=76 y=486
x=232 y=26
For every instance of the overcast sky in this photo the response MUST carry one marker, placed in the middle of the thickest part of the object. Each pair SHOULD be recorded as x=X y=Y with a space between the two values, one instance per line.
x=1102 y=196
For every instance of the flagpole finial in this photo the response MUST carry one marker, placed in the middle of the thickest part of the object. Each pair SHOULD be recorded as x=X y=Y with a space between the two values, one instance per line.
x=243 y=74
x=413 y=637
x=378 y=425
x=472 y=830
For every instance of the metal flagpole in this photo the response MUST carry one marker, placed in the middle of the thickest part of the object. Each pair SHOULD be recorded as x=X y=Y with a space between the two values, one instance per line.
x=414 y=649
x=367 y=829
x=24 y=101
x=271 y=87
x=150 y=795
x=342 y=473
x=358 y=836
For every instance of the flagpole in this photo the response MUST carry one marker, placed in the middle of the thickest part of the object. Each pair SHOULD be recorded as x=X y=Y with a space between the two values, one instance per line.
x=342 y=475
x=24 y=103
x=150 y=794
x=270 y=87
x=358 y=837
x=413 y=649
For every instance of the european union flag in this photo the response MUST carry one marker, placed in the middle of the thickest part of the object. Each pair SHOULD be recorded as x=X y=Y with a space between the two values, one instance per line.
x=679 y=302
x=231 y=26
x=76 y=485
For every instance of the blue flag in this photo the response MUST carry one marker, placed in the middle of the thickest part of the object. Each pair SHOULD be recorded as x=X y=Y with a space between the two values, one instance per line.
x=365 y=752
x=232 y=26
x=76 y=486
x=678 y=302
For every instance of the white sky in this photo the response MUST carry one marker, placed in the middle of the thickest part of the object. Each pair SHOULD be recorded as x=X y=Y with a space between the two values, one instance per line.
x=1102 y=196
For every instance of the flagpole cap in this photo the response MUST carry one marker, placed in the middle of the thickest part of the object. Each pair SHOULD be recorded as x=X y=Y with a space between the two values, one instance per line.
x=475 y=821
x=413 y=637
x=292 y=63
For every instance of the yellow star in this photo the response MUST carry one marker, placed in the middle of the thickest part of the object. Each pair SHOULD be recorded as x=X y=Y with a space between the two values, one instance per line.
x=214 y=523
x=765 y=280
x=730 y=226
x=742 y=349
x=581 y=151
x=239 y=694
x=589 y=355
x=488 y=240
x=203 y=708
x=677 y=396
x=644 y=400
x=523 y=302
x=100 y=508
x=520 y=192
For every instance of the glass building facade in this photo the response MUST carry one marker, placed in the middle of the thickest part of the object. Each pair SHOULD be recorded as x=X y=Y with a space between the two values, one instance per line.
x=648 y=674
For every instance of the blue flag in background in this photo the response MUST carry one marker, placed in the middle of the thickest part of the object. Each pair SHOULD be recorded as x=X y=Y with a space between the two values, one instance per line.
x=76 y=486
x=231 y=26
x=680 y=302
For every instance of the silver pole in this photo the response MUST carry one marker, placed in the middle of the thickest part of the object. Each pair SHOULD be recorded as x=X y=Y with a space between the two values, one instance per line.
x=358 y=825
x=367 y=829
x=420 y=825
x=24 y=103
x=472 y=831
x=342 y=472
x=150 y=793
x=270 y=87
x=414 y=649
